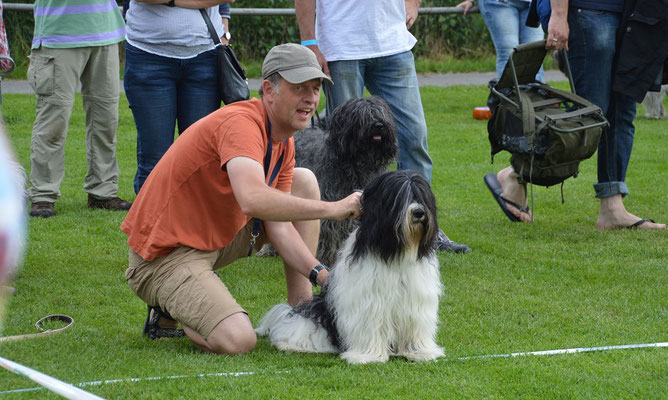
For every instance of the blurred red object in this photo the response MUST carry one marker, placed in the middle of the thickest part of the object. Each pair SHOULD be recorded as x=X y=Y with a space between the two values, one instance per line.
x=482 y=113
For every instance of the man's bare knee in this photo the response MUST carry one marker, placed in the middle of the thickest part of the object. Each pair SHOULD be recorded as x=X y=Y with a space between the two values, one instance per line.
x=305 y=184
x=233 y=335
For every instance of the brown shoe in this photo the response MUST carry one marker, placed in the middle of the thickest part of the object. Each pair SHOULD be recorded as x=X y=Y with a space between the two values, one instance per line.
x=114 y=203
x=42 y=209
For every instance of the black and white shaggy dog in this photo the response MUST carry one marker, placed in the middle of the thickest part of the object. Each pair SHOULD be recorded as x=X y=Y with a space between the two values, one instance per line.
x=357 y=143
x=381 y=298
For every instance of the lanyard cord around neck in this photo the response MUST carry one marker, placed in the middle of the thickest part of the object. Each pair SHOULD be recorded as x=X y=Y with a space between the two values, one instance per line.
x=267 y=161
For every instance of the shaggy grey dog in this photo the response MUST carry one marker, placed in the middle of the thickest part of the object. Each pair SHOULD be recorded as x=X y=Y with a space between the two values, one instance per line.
x=357 y=143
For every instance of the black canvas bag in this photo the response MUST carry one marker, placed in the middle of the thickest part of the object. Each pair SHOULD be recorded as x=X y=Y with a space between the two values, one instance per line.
x=232 y=82
x=547 y=131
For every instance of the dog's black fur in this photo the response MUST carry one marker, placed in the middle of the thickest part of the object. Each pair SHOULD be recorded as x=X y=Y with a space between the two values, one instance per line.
x=387 y=276
x=357 y=143
x=381 y=232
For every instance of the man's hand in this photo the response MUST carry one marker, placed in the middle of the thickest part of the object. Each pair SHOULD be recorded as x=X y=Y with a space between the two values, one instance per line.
x=350 y=207
x=321 y=58
x=412 y=7
x=466 y=5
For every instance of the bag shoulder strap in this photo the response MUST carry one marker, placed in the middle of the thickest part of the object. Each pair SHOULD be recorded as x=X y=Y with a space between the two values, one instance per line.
x=209 y=25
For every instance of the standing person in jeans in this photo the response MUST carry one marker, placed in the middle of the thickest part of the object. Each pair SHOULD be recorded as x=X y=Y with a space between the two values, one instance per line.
x=593 y=32
x=170 y=71
x=506 y=22
x=367 y=44
x=75 y=42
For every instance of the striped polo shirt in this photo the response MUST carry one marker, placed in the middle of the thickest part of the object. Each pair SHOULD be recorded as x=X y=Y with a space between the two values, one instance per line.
x=77 y=23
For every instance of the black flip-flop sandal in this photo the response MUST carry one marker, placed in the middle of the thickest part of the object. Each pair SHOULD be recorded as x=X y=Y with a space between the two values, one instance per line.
x=494 y=186
x=642 y=221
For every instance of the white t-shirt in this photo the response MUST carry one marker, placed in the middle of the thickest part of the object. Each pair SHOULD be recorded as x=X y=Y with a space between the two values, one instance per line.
x=361 y=29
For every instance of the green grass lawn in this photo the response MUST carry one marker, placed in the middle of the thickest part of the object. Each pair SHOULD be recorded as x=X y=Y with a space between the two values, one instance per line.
x=557 y=283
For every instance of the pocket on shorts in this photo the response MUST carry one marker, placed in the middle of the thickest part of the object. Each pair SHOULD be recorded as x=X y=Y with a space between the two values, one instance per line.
x=41 y=74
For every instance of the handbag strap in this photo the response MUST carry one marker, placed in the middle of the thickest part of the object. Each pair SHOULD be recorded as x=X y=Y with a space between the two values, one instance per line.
x=267 y=160
x=209 y=25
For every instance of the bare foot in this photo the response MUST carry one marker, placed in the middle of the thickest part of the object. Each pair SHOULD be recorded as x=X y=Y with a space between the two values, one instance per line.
x=514 y=192
x=613 y=215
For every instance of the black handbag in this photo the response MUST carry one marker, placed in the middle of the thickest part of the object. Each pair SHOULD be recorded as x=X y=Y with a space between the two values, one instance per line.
x=232 y=82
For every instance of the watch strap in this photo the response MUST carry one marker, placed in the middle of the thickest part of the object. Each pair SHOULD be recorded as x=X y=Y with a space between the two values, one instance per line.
x=313 y=275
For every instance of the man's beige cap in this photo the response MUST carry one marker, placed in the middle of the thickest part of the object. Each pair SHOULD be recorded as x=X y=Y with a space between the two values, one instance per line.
x=294 y=62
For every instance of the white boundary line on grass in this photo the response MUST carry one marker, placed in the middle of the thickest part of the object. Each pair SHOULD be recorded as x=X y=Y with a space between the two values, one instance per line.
x=64 y=389
x=244 y=373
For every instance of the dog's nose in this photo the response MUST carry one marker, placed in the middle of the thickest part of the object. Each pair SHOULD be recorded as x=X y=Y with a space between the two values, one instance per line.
x=418 y=215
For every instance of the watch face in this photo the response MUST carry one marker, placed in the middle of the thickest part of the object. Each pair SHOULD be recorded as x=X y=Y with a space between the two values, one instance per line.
x=227 y=35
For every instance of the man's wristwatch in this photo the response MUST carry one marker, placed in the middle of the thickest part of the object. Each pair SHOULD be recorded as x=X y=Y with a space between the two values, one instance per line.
x=313 y=276
x=170 y=3
x=227 y=35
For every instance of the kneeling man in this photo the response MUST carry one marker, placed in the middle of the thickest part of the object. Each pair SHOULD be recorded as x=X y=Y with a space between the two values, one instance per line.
x=198 y=209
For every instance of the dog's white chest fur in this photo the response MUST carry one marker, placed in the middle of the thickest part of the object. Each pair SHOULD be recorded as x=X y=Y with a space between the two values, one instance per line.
x=386 y=309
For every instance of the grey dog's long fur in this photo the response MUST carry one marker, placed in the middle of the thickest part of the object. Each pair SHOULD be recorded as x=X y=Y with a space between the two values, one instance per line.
x=344 y=156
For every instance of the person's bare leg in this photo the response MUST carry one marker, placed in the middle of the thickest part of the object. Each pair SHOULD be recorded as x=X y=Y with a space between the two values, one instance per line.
x=233 y=335
x=304 y=185
x=515 y=192
x=612 y=214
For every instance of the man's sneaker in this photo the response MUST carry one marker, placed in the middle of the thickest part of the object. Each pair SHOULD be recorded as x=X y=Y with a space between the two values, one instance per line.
x=114 y=203
x=443 y=243
x=42 y=209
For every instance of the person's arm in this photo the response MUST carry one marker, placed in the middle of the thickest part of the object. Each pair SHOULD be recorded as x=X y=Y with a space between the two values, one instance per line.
x=256 y=199
x=226 y=24
x=557 y=28
x=188 y=3
x=305 y=10
x=412 y=7
x=224 y=11
x=466 y=5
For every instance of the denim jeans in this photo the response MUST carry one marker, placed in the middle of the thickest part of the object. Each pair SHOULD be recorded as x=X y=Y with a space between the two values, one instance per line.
x=161 y=91
x=506 y=22
x=591 y=43
x=394 y=79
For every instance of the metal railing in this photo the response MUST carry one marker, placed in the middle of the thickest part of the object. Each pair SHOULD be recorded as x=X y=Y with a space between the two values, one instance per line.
x=271 y=11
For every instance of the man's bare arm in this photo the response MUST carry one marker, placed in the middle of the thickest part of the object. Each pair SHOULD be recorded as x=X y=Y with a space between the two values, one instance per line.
x=256 y=199
x=305 y=10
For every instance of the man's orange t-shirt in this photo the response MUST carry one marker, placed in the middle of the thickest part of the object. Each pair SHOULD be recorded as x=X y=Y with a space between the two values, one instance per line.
x=187 y=199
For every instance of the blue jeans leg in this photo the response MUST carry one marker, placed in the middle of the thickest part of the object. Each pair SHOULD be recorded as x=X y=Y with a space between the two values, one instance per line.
x=614 y=150
x=394 y=79
x=162 y=90
x=505 y=20
x=592 y=43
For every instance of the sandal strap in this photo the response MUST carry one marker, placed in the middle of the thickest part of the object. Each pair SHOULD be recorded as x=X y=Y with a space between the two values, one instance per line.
x=524 y=209
x=163 y=313
x=157 y=333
